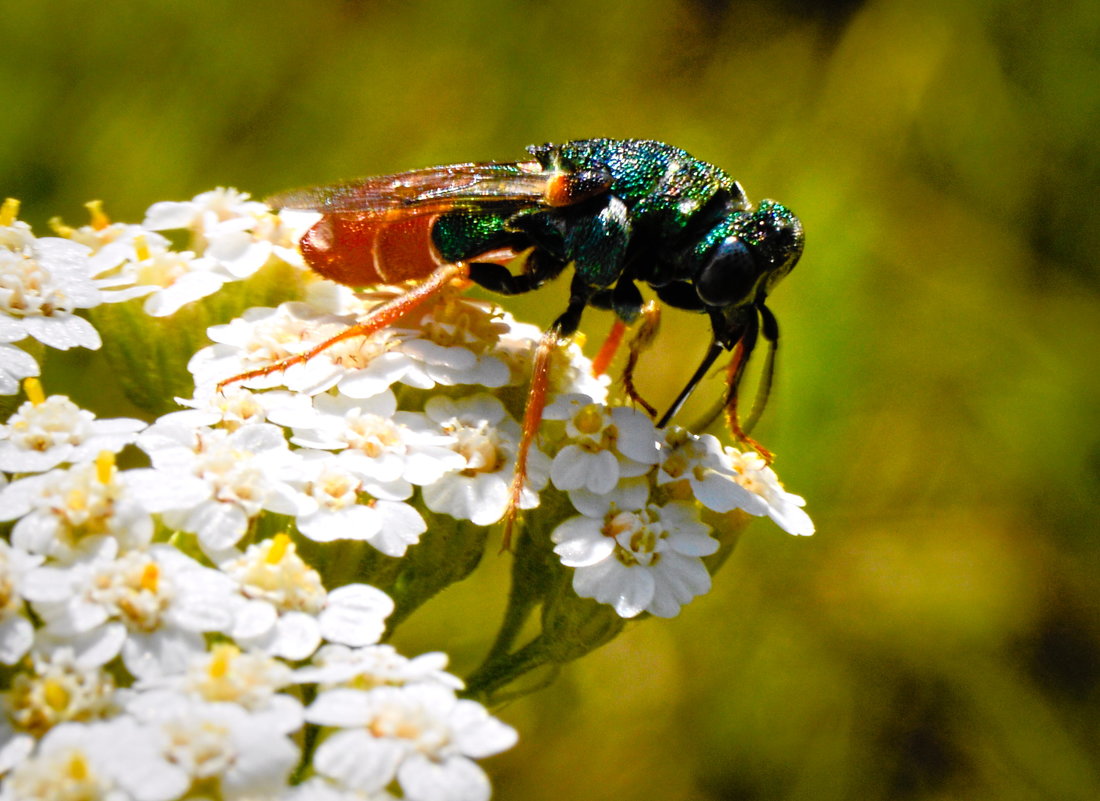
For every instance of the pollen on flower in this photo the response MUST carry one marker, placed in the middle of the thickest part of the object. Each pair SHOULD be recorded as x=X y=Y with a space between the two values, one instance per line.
x=479 y=445
x=141 y=247
x=221 y=657
x=99 y=218
x=105 y=466
x=273 y=571
x=76 y=768
x=229 y=675
x=371 y=434
x=45 y=422
x=54 y=694
x=160 y=269
x=9 y=212
x=458 y=321
x=87 y=505
x=336 y=489
x=149 y=577
x=57 y=691
x=279 y=545
x=635 y=538
x=590 y=420
x=33 y=389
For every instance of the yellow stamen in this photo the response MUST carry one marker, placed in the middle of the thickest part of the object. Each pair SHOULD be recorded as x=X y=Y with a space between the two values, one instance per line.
x=149 y=577
x=77 y=769
x=76 y=500
x=104 y=467
x=220 y=660
x=589 y=420
x=279 y=544
x=100 y=220
x=141 y=248
x=55 y=694
x=9 y=211
x=33 y=389
x=57 y=225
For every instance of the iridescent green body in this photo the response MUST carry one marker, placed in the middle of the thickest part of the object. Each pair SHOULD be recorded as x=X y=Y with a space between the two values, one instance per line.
x=620 y=212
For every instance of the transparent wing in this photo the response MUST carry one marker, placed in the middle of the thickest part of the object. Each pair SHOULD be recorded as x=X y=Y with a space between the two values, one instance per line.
x=432 y=190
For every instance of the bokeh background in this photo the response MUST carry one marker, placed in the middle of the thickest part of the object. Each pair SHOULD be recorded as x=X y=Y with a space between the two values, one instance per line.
x=938 y=405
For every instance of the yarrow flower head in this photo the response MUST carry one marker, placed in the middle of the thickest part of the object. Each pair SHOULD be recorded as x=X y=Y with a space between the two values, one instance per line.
x=44 y=432
x=189 y=599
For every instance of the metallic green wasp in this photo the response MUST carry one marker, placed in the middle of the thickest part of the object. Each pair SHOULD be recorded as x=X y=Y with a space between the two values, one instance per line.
x=618 y=212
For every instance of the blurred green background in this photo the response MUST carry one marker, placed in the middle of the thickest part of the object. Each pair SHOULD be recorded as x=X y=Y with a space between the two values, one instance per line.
x=938 y=405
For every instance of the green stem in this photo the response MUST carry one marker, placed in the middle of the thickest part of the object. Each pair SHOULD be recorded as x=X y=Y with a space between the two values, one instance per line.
x=505 y=669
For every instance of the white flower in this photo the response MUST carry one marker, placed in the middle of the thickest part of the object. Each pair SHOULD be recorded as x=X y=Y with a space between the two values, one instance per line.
x=332 y=509
x=287 y=612
x=389 y=450
x=53 y=689
x=572 y=383
x=751 y=471
x=238 y=234
x=16 y=630
x=700 y=463
x=603 y=445
x=244 y=754
x=487 y=438
x=117 y=760
x=225 y=674
x=318 y=788
x=173 y=280
x=635 y=557
x=76 y=512
x=43 y=433
x=374 y=665
x=421 y=735
x=454 y=342
x=221 y=480
x=152 y=606
x=14 y=233
x=236 y=406
x=15 y=364
x=41 y=287
x=262 y=337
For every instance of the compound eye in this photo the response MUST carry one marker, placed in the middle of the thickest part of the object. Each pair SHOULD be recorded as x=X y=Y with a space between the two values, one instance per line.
x=729 y=275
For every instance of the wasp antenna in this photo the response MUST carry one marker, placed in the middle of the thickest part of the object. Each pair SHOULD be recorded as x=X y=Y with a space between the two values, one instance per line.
x=713 y=353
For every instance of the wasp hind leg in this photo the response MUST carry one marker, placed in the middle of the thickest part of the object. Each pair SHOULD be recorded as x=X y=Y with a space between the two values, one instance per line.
x=377 y=319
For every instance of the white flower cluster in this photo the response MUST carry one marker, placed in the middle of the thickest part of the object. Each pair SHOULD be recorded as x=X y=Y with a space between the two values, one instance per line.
x=139 y=672
x=158 y=634
x=137 y=667
x=44 y=281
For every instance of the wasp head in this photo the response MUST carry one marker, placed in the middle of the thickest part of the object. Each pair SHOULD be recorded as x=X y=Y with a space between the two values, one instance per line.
x=745 y=255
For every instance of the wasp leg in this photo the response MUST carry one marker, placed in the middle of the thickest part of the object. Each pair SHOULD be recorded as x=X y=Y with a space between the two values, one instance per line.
x=642 y=339
x=734 y=372
x=562 y=328
x=539 y=268
x=376 y=320
x=626 y=301
x=609 y=348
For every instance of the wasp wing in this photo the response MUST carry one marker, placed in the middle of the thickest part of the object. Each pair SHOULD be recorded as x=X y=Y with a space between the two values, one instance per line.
x=380 y=229
x=433 y=190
